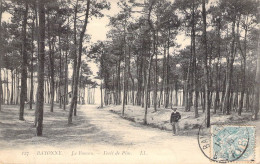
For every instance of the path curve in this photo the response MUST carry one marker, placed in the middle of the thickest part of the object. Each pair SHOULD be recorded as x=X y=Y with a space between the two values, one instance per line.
x=135 y=136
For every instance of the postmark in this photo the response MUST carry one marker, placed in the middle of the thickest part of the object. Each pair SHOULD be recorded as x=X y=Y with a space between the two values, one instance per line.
x=227 y=143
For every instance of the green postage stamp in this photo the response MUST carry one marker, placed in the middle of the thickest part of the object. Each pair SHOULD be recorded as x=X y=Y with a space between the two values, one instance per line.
x=232 y=143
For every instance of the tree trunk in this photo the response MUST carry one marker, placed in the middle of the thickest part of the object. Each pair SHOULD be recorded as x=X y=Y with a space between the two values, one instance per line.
x=167 y=71
x=12 y=87
x=189 y=78
x=163 y=76
x=51 y=68
x=257 y=81
x=17 y=86
x=140 y=78
x=75 y=52
x=40 y=91
x=243 y=67
x=235 y=104
x=7 y=87
x=226 y=103
x=32 y=85
x=205 y=63
x=23 y=95
x=144 y=87
x=195 y=79
x=210 y=79
x=217 y=99
x=60 y=73
x=118 y=83
x=124 y=71
x=75 y=90
x=66 y=77
x=48 y=91
x=1 y=49
x=176 y=92
x=147 y=94
x=247 y=99
x=156 y=71
x=241 y=102
x=130 y=75
x=171 y=90
x=101 y=98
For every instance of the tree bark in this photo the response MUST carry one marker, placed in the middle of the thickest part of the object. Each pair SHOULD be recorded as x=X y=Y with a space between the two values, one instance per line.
x=12 y=88
x=243 y=69
x=226 y=103
x=75 y=47
x=124 y=72
x=1 y=49
x=23 y=95
x=101 y=98
x=75 y=90
x=189 y=78
x=257 y=81
x=40 y=91
x=118 y=83
x=163 y=77
x=60 y=72
x=17 y=86
x=51 y=68
x=205 y=63
x=147 y=94
x=66 y=76
x=195 y=79
x=7 y=87
x=156 y=70
x=130 y=75
x=32 y=85
x=217 y=99
x=167 y=87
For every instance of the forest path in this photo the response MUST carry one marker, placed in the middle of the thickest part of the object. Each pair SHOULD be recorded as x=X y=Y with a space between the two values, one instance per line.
x=130 y=135
x=95 y=135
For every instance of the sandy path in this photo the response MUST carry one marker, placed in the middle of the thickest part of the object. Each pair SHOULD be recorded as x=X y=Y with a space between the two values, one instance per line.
x=157 y=144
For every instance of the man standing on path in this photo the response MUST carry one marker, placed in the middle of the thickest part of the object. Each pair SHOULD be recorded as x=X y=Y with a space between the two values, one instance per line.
x=175 y=116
